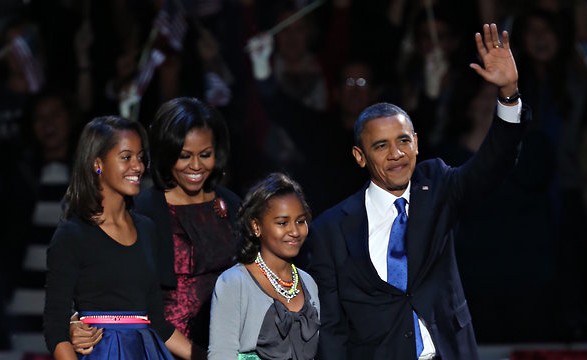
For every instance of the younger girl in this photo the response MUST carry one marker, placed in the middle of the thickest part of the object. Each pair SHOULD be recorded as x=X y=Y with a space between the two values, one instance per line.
x=264 y=307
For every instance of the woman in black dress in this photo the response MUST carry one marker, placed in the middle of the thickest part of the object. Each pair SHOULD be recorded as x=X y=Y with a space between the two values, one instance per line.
x=194 y=214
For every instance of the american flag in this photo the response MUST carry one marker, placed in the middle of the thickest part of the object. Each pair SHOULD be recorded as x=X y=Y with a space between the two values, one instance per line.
x=171 y=23
x=217 y=91
x=147 y=70
x=30 y=65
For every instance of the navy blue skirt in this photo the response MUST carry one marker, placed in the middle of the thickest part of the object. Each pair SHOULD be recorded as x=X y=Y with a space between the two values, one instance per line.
x=127 y=341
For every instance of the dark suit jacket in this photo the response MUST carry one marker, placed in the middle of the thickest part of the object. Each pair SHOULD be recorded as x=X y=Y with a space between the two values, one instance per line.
x=151 y=202
x=362 y=316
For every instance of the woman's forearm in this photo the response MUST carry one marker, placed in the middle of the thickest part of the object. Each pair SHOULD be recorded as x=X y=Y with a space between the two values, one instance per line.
x=64 y=351
x=179 y=345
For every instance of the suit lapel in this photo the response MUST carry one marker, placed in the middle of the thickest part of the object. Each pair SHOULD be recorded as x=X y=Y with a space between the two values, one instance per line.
x=355 y=229
x=419 y=245
x=355 y=226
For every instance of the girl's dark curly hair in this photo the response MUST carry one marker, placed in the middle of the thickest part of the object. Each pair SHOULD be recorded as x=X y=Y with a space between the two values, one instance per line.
x=254 y=206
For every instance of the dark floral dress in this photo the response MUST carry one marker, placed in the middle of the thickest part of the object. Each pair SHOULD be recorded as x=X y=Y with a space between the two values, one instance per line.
x=204 y=246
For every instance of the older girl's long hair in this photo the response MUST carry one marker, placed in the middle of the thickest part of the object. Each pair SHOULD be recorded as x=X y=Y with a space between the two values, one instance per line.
x=83 y=197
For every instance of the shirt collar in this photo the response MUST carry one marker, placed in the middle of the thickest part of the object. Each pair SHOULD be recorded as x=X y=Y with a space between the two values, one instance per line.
x=382 y=199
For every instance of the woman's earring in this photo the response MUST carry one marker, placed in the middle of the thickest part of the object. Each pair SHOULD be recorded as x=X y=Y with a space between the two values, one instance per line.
x=98 y=171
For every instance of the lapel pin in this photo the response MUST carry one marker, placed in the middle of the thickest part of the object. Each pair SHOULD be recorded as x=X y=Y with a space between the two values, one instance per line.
x=425 y=187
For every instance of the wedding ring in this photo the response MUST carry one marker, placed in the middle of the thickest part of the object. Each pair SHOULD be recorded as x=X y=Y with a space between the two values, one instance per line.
x=497 y=44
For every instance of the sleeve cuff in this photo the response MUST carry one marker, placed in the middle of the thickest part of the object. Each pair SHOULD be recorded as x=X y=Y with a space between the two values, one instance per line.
x=510 y=114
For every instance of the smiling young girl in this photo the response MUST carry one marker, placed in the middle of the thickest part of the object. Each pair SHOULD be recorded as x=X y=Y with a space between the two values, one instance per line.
x=98 y=260
x=264 y=307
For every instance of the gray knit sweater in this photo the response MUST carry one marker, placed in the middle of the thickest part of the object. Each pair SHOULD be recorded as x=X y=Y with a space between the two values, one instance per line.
x=239 y=306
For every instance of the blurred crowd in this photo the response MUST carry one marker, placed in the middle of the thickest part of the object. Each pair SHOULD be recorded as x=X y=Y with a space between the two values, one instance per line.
x=290 y=95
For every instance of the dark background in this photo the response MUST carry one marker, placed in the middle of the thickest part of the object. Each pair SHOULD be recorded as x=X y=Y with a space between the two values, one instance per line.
x=522 y=251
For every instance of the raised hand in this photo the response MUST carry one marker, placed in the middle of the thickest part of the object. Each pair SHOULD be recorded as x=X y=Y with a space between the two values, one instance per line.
x=499 y=67
x=260 y=48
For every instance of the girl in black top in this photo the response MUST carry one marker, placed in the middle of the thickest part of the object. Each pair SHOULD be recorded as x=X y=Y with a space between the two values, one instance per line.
x=99 y=260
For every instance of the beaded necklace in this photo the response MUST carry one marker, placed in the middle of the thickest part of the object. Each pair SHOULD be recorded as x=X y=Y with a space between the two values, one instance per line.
x=277 y=283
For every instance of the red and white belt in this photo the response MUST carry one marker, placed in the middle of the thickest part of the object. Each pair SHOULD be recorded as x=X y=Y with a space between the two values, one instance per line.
x=115 y=319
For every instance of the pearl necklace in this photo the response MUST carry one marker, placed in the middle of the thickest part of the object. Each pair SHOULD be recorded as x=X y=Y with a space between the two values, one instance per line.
x=277 y=283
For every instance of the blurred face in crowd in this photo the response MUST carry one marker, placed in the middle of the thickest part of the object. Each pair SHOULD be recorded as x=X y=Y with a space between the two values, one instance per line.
x=356 y=90
x=389 y=147
x=51 y=124
x=540 y=40
x=446 y=40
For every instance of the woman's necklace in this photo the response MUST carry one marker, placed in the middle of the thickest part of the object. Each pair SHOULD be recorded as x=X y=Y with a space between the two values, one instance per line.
x=278 y=284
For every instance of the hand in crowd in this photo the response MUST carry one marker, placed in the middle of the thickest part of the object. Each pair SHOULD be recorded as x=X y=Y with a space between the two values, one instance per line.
x=260 y=48
x=435 y=68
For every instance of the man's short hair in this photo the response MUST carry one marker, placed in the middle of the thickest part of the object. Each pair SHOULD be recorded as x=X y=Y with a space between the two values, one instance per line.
x=376 y=111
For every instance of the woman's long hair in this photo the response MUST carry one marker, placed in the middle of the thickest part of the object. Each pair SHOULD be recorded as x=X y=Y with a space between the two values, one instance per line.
x=173 y=121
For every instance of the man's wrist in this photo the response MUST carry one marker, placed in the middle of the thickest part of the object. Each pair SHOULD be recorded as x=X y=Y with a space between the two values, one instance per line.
x=508 y=90
x=509 y=99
